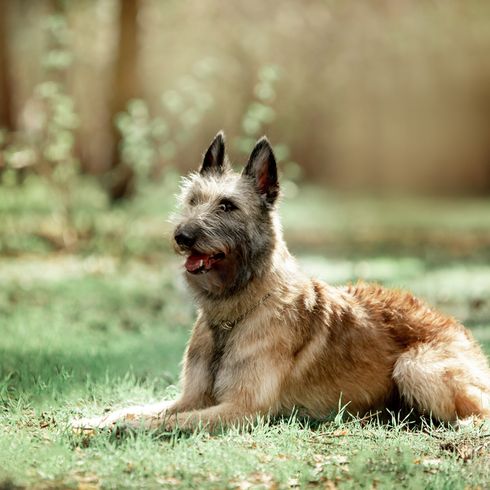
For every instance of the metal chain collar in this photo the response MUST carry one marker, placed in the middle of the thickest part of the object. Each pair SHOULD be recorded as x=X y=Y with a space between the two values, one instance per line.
x=229 y=324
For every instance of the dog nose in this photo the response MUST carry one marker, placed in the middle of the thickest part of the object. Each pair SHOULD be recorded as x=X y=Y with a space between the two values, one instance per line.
x=185 y=238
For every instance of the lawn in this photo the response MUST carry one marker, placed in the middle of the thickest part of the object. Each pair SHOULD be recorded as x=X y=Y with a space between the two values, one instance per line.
x=102 y=322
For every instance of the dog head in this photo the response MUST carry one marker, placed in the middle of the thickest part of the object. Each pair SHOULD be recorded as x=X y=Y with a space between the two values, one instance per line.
x=226 y=226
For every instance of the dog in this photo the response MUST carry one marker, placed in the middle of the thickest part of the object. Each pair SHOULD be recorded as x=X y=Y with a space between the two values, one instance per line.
x=269 y=341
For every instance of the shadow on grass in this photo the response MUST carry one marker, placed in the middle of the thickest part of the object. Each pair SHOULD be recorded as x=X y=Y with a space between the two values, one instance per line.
x=36 y=375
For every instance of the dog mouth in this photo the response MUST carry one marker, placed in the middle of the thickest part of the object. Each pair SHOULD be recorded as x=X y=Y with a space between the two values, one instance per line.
x=200 y=263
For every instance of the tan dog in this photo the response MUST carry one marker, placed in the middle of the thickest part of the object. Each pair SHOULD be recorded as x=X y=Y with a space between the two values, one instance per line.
x=269 y=340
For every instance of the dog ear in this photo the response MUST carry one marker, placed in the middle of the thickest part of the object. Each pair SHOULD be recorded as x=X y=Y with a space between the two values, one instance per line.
x=214 y=159
x=262 y=168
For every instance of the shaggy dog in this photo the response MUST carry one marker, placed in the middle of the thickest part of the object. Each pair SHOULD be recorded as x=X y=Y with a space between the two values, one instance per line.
x=269 y=340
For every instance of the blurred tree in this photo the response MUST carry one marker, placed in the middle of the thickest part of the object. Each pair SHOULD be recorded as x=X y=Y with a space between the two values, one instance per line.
x=6 y=114
x=127 y=85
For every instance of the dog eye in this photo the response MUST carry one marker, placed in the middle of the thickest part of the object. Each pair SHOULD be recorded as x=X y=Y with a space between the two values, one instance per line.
x=193 y=201
x=226 y=206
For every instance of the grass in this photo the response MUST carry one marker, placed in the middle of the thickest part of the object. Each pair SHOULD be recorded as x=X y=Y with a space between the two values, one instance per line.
x=105 y=325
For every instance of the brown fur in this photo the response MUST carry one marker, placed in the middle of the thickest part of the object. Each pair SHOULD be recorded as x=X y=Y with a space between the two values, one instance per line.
x=303 y=344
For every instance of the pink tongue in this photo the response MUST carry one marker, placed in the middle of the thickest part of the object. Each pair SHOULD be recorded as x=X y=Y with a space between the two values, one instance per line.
x=194 y=262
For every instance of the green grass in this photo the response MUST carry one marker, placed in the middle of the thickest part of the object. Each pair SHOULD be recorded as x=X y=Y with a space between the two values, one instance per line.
x=79 y=338
x=104 y=325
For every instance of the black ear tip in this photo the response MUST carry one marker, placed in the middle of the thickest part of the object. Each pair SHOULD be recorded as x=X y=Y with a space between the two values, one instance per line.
x=263 y=142
x=218 y=140
x=262 y=147
x=214 y=158
x=220 y=137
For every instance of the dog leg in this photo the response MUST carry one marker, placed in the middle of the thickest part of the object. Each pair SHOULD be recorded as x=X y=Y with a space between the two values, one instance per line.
x=211 y=419
x=449 y=381
x=110 y=419
x=245 y=400
x=196 y=383
x=135 y=416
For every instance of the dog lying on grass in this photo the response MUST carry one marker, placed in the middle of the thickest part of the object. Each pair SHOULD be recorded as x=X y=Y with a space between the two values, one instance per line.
x=269 y=340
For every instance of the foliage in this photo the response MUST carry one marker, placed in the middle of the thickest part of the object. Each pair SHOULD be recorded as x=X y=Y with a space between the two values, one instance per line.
x=47 y=144
x=379 y=96
x=259 y=116
x=150 y=143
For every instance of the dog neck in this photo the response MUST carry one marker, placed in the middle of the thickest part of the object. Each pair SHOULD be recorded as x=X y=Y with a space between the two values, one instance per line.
x=278 y=282
x=230 y=324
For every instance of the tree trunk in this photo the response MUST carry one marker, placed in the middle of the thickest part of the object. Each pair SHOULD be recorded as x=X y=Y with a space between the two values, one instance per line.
x=127 y=85
x=6 y=111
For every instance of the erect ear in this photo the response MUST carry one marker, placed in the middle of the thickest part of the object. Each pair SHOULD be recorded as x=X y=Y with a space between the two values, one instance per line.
x=262 y=168
x=214 y=159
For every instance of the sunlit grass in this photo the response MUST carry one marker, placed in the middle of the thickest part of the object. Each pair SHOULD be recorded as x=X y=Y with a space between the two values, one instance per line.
x=104 y=325
x=91 y=339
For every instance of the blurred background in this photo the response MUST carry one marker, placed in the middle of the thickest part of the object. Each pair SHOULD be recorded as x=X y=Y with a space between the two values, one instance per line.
x=378 y=111
x=386 y=96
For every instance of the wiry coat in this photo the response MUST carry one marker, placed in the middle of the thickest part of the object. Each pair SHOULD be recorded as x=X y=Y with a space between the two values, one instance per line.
x=269 y=340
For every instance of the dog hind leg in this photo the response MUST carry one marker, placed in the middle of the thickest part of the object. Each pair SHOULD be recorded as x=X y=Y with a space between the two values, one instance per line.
x=450 y=381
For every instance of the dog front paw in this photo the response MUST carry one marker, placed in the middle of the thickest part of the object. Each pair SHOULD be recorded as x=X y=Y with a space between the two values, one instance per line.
x=90 y=425
x=143 y=417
